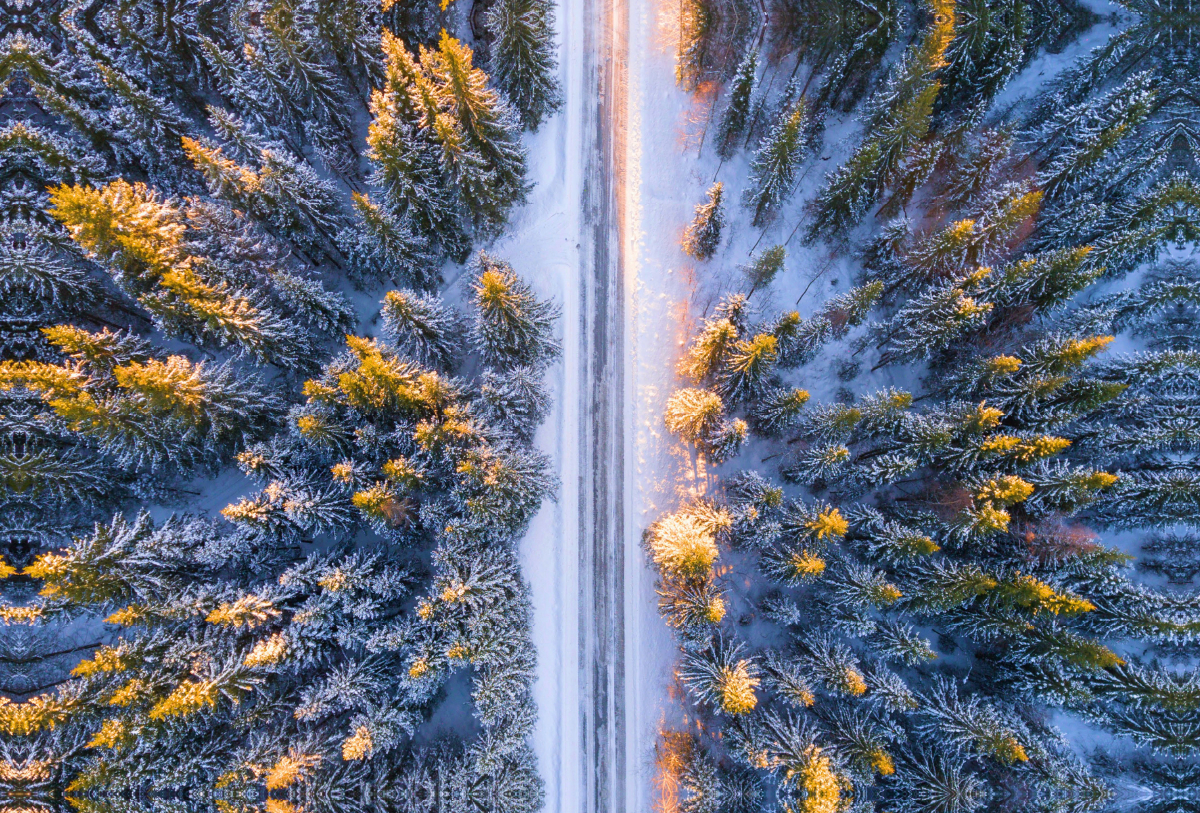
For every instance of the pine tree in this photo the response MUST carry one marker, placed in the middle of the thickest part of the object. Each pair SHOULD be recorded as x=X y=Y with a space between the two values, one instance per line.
x=851 y=308
x=777 y=410
x=228 y=252
x=720 y=677
x=942 y=585
x=515 y=400
x=1151 y=498
x=1045 y=280
x=725 y=441
x=126 y=225
x=937 y=781
x=817 y=464
x=1066 y=488
x=807 y=774
x=422 y=327
x=804 y=535
x=187 y=305
x=485 y=123
x=897 y=151
x=977 y=170
x=697 y=23
x=972 y=725
x=177 y=262
x=523 y=57
x=512 y=328
x=283 y=192
x=146 y=410
x=704 y=234
x=900 y=642
x=406 y=156
x=798 y=339
x=747 y=371
x=154 y=124
x=932 y=321
x=382 y=246
x=693 y=607
x=708 y=350
x=764 y=267
x=232 y=131
x=786 y=676
x=773 y=171
x=1084 y=134
x=693 y=414
x=735 y=118
x=833 y=665
x=847 y=194
x=684 y=544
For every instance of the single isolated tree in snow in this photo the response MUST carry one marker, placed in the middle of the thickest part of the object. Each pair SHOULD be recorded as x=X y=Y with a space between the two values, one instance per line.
x=703 y=236
x=764 y=267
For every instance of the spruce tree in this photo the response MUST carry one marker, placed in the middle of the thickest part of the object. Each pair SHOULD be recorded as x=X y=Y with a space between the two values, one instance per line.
x=719 y=676
x=972 y=725
x=776 y=410
x=523 y=57
x=773 y=171
x=170 y=258
x=693 y=414
x=382 y=246
x=725 y=441
x=486 y=126
x=735 y=118
x=704 y=234
x=747 y=371
x=422 y=327
x=709 y=351
x=512 y=327
x=933 y=321
x=515 y=400
x=405 y=154
x=764 y=267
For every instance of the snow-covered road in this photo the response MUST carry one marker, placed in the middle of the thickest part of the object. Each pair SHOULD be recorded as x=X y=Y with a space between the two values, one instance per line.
x=602 y=456
x=604 y=657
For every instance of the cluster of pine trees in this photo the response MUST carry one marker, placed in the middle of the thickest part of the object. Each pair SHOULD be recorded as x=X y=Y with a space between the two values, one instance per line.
x=965 y=581
x=194 y=198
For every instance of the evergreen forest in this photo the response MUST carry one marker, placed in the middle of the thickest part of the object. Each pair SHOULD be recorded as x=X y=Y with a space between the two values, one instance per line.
x=958 y=572
x=262 y=466
x=281 y=399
